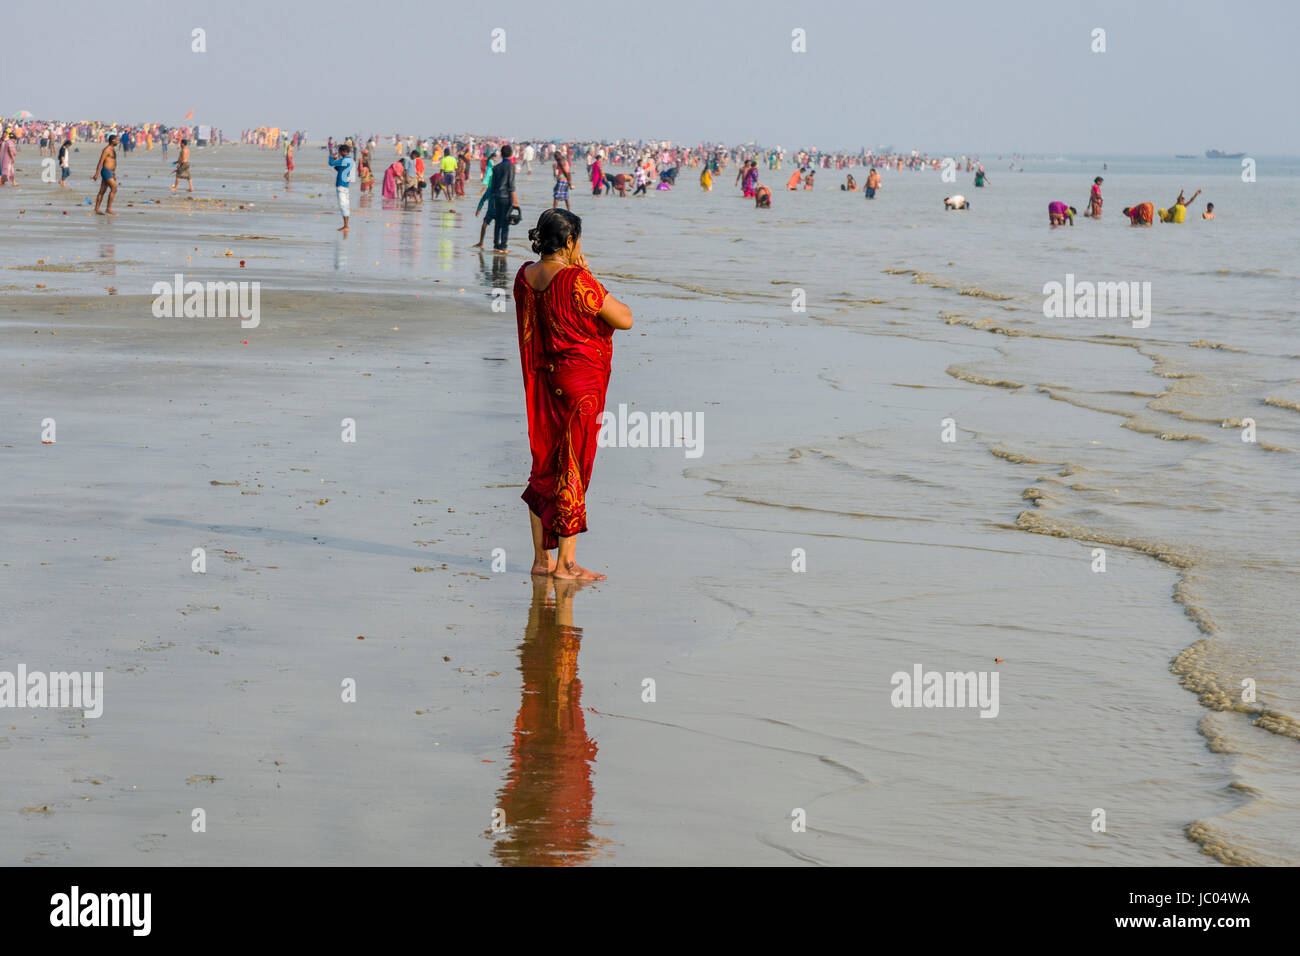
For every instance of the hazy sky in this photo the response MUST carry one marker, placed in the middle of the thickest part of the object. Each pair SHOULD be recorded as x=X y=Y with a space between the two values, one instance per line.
x=947 y=77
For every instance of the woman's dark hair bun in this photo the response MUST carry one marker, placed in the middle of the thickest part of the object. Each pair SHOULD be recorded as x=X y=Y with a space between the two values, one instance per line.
x=554 y=229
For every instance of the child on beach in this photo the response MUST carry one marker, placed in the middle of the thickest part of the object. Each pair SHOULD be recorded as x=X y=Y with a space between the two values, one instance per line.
x=65 y=158
x=448 y=165
x=486 y=198
x=343 y=165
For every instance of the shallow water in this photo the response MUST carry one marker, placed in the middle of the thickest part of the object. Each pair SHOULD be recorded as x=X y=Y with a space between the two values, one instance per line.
x=823 y=434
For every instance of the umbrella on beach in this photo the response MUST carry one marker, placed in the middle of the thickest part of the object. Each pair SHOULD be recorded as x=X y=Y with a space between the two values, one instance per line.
x=23 y=114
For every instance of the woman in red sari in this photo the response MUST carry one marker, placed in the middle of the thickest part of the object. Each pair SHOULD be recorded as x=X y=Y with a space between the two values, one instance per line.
x=566 y=328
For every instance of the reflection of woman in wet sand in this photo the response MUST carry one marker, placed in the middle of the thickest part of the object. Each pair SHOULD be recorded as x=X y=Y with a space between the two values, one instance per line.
x=547 y=795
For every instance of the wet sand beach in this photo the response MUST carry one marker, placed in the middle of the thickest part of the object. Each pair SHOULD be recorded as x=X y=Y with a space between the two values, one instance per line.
x=477 y=691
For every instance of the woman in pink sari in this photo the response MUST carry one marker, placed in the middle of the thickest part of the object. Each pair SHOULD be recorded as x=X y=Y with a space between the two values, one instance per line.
x=597 y=176
x=8 y=154
x=392 y=176
x=566 y=328
x=1094 y=200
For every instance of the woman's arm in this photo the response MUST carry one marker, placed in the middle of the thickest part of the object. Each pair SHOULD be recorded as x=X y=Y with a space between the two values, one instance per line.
x=615 y=314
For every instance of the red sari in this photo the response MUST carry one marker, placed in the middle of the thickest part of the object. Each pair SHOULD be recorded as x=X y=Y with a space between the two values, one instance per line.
x=566 y=352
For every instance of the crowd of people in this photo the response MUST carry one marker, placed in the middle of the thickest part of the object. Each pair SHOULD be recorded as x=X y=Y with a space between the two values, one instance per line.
x=47 y=135
x=447 y=167
x=60 y=139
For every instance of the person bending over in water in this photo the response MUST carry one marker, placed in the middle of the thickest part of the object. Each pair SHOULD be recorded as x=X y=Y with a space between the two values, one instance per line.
x=1209 y=211
x=1143 y=214
x=106 y=173
x=619 y=183
x=762 y=197
x=956 y=202
x=793 y=181
x=566 y=321
x=1058 y=213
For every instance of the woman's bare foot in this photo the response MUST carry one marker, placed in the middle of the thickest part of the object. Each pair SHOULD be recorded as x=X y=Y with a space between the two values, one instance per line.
x=572 y=571
x=547 y=568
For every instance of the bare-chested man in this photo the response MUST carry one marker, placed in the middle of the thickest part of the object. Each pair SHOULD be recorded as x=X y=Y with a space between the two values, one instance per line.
x=106 y=173
x=873 y=183
x=183 y=166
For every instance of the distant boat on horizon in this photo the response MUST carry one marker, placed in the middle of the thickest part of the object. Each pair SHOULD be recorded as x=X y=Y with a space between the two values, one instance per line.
x=1183 y=156
x=1220 y=154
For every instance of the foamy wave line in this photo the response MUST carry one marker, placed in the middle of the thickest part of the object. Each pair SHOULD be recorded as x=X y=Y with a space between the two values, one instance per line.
x=1190 y=665
x=956 y=371
x=1212 y=844
x=1194 y=674
x=998 y=451
x=1039 y=524
x=977 y=292
x=1207 y=344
